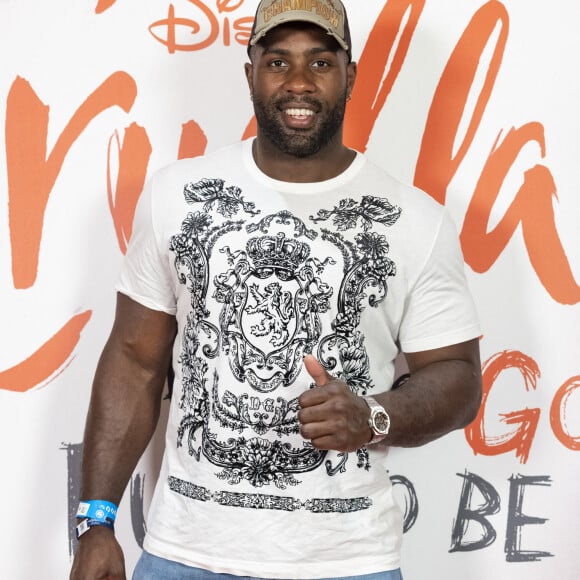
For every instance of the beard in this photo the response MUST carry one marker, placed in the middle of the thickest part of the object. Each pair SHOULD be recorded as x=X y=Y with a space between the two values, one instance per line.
x=295 y=142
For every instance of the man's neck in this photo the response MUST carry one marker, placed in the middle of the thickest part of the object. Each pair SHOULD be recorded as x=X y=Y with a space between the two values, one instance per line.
x=326 y=164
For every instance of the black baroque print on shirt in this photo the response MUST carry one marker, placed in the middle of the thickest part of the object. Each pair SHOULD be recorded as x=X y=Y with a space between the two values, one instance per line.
x=271 y=297
x=193 y=248
x=274 y=291
x=249 y=412
x=260 y=501
x=370 y=209
x=366 y=270
x=229 y=200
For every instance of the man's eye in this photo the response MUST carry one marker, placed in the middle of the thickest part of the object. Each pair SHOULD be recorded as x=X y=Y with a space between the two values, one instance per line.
x=277 y=63
x=320 y=64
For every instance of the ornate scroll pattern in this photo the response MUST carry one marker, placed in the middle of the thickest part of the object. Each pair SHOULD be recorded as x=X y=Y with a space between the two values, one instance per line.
x=246 y=412
x=268 y=502
x=192 y=249
x=273 y=289
x=261 y=461
x=366 y=270
x=271 y=298
x=283 y=217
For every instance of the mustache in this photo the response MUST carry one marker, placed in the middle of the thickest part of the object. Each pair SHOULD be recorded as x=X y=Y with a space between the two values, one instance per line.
x=297 y=101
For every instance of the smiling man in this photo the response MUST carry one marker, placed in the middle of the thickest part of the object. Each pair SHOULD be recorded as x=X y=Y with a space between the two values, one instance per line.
x=281 y=277
x=300 y=115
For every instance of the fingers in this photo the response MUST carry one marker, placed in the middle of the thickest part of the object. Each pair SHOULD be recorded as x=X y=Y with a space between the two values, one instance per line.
x=316 y=371
x=326 y=435
x=321 y=433
x=324 y=416
x=318 y=424
x=322 y=380
x=328 y=443
x=331 y=416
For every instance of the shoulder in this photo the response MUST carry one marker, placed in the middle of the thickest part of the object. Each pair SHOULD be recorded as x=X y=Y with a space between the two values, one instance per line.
x=209 y=165
x=416 y=205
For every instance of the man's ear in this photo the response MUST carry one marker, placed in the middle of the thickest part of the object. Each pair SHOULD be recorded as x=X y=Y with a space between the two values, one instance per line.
x=351 y=72
x=249 y=70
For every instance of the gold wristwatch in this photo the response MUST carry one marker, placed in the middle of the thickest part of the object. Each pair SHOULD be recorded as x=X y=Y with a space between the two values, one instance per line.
x=379 y=421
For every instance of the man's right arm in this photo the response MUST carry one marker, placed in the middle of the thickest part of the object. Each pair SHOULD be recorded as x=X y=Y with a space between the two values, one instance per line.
x=122 y=417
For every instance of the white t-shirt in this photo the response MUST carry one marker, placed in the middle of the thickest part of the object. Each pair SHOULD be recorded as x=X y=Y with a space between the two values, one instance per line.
x=258 y=273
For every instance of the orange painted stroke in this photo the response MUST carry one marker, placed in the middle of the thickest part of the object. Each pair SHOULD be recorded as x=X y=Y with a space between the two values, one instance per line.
x=526 y=419
x=47 y=360
x=193 y=141
x=32 y=173
x=559 y=418
x=372 y=87
x=251 y=129
x=532 y=208
x=134 y=154
x=103 y=5
x=437 y=164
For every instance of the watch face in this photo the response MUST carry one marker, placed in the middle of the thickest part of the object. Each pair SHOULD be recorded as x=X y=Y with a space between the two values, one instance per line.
x=382 y=423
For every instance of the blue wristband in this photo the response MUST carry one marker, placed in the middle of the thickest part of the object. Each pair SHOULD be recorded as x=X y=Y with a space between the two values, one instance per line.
x=87 y=524
x=97 y=509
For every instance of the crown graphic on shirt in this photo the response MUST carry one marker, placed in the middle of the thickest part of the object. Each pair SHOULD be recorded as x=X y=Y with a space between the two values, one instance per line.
x=278 y=252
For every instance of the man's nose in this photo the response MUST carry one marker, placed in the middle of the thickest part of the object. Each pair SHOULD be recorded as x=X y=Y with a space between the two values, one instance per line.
x=300 y=79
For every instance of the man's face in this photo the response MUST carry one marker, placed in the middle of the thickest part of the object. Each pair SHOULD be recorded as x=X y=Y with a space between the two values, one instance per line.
x=300 y=80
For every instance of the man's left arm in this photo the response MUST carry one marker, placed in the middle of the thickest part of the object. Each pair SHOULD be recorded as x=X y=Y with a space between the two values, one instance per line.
x=443 y=393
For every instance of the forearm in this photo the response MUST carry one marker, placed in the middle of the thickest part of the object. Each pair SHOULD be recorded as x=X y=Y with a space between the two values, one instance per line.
x=122 y=417
x=437 y=398
x=126 y=398
x=443 y=393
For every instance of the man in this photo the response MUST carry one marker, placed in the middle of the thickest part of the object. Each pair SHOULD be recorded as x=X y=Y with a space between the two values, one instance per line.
x=284 y=274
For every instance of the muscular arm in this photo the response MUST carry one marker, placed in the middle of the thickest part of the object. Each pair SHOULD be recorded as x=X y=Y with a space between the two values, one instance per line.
x=122 y=417
x=443 y=393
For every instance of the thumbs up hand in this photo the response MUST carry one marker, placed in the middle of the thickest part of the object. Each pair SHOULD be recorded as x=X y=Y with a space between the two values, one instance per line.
x=331 y=415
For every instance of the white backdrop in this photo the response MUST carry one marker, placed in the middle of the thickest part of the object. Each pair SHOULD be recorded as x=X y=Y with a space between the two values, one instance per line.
x=477 y=103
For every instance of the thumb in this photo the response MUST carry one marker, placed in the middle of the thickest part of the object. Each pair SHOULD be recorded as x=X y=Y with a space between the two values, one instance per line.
x=316 y=371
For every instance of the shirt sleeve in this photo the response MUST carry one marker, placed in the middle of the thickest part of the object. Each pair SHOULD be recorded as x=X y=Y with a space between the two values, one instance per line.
x=145 y=275
x=440 y=310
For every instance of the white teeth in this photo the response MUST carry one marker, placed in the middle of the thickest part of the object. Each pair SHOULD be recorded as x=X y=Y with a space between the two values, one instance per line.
x=299 y=112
